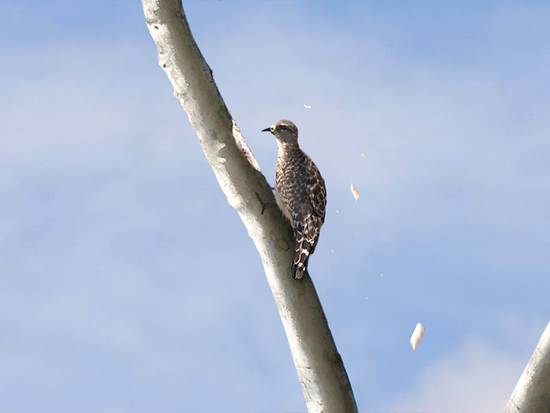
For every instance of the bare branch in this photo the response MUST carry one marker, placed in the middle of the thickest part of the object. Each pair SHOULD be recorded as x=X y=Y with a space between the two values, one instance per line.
x=320 y=369
x=532 y=392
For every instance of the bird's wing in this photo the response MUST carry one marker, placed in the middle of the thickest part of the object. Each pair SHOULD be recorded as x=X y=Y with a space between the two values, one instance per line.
x=317 y=191
x=317 y=194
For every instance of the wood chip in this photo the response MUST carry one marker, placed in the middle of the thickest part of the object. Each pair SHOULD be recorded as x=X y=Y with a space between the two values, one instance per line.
x=417 y=335
x=355 y=192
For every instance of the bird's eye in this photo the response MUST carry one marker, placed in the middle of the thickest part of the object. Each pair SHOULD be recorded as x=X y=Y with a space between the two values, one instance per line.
x=283 y=127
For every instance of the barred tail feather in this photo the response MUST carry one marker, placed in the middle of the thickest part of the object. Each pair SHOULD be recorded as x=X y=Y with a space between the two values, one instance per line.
x=301 y=256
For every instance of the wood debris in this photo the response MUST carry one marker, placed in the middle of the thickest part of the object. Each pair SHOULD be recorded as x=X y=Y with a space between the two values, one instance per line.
x=355 y=192
x=417 y=335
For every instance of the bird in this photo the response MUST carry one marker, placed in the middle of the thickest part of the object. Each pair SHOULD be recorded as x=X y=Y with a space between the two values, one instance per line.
x=300 y=193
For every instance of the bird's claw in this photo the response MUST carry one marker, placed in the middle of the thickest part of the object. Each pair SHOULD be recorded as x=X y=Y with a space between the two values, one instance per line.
x=262 y=203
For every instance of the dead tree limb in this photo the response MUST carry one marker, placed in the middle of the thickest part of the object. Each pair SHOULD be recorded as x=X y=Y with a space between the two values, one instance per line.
x=532 y=392
x=321 y=372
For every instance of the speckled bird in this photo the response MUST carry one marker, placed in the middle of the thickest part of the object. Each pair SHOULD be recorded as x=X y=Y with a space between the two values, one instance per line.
x=300 y=192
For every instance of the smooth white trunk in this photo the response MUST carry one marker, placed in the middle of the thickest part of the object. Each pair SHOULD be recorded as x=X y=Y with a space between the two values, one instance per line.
x=320 y=369
x=532 y=392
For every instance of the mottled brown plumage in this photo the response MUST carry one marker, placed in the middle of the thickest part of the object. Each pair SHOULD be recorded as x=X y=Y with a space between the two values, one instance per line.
x=301 y=193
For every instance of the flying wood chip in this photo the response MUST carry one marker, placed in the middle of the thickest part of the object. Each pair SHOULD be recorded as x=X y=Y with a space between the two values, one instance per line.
x=417 y=335
x=355 y=192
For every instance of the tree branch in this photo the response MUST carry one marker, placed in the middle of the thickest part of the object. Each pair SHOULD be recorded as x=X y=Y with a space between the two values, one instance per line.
x=321 y=372
x=532 y=392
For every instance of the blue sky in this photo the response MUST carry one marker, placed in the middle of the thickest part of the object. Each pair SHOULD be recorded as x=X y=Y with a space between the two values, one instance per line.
x=128 y=284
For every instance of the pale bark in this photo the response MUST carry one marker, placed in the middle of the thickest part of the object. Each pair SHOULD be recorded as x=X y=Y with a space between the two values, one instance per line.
x=532 y=392
x=320 y=369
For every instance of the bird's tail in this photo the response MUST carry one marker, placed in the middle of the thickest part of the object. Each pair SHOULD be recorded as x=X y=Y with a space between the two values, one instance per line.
x=302 y=251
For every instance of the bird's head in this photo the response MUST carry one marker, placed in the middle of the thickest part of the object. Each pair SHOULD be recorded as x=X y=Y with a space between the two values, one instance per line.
x=284 y=130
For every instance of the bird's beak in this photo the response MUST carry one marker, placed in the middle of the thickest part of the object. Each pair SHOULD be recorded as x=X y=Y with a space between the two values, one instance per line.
x=266 y=129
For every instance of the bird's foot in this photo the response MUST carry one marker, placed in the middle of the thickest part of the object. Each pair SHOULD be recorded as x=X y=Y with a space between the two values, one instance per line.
x=264 y=205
